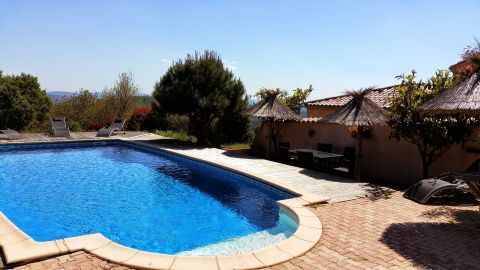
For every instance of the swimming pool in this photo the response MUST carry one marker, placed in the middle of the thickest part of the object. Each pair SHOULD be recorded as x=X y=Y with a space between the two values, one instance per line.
x=138 y=197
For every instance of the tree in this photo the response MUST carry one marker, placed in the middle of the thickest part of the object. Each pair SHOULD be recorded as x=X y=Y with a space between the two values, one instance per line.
x=23 y=104
x=471 y=51
x=84 y=111
x=208 y=93
x=77 y=109
x=470 y=61
x=294 y=101
x=122 y=95
x=432 y=135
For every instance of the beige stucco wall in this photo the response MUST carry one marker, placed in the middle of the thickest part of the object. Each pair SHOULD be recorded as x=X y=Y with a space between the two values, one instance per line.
x=384 y=160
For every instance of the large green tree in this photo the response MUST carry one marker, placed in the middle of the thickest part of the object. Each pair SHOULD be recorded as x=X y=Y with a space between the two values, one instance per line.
x=208 y=93
x=432 y=135
x=23 y=104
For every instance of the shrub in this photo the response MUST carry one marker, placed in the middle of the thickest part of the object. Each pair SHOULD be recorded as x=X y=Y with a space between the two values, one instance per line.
x=78 y=109
x=89 y=111
x=139 y=118
x=176 y=122
x=74 y=126
x=23 y=104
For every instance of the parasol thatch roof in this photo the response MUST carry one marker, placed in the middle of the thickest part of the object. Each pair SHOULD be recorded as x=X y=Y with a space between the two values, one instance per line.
x=462 y=98
x=381 y=96
x=272 y=109
x=359 y=111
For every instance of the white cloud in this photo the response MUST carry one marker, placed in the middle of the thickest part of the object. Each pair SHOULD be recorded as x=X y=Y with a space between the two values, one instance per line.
x=231 y=67
x=168 y=61
x=234 y=62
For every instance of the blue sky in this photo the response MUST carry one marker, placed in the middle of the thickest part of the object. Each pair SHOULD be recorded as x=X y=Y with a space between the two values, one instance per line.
x=333 y=45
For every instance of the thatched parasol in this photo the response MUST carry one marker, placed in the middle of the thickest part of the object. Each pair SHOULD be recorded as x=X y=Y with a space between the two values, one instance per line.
x=275 y=114
x=464 y=98
x=271 y=108
x=359 y=112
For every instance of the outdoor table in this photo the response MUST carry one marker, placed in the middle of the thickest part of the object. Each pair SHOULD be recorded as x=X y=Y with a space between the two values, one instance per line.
x=326 y=159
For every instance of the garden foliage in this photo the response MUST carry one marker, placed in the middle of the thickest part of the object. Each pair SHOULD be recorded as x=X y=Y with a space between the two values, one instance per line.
x=23 y=104
x=433 y=135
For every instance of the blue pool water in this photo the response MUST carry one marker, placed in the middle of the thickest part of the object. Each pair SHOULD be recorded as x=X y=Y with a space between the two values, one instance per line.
x=137 y=197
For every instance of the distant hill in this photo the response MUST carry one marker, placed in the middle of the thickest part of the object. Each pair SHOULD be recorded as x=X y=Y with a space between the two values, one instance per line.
x=57 y=96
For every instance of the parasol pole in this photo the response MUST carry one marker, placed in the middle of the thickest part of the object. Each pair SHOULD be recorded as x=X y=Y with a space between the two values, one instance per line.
x=358 y=153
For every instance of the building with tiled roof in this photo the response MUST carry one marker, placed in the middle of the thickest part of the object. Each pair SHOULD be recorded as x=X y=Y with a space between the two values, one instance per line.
x=321 y=107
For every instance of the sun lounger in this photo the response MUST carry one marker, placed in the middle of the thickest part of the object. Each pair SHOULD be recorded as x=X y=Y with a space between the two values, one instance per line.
x=469 y=181
x=11 y=134
x=473 y=181
x=425 y=189
x=116 y=126
x=59 y=127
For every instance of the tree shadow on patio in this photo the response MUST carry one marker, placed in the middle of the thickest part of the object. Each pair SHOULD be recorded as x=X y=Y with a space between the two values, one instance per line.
x=376 y=192
x=454 y=197
x=450 y=241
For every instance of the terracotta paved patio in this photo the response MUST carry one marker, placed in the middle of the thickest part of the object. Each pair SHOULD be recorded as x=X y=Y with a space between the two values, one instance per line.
x=380 y=232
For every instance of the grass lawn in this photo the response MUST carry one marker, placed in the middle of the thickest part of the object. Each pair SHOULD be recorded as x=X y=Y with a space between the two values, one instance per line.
x=235 y=146
x=184 y=137
x=177 y=135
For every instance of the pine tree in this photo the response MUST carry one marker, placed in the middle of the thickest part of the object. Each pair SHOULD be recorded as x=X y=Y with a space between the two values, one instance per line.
x=208 y=93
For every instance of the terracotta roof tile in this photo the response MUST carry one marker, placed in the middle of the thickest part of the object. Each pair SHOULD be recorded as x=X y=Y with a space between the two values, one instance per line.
x=381 y=96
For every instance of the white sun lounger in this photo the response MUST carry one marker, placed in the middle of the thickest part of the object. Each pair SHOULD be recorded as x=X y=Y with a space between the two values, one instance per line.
x=59 y=127
x=115 y=126
x=11 y=134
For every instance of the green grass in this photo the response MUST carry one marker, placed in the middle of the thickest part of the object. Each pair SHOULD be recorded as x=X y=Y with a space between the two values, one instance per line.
x=184 y=137
x=235 y=146
x=177 y=135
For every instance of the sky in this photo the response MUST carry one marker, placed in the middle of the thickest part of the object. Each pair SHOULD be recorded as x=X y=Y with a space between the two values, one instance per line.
x=332 y=45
